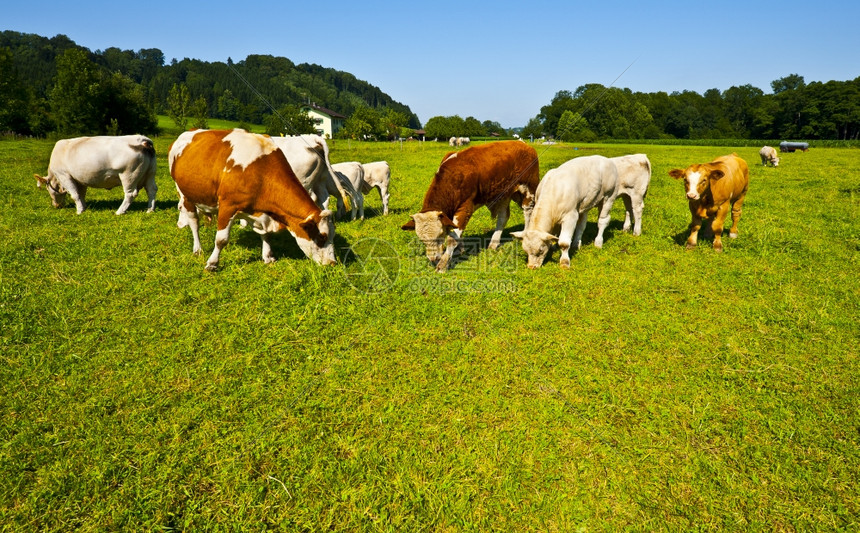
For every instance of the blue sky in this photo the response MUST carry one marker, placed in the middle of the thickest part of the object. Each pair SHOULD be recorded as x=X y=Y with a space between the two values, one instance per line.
x=495 y=60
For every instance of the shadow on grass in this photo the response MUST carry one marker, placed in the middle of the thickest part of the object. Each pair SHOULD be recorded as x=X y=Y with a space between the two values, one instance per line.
x=138 y=205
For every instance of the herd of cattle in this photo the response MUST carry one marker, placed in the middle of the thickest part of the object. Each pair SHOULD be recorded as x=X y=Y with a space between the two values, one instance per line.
x=286 y=183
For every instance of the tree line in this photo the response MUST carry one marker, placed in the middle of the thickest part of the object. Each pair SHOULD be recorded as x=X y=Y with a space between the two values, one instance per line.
x=795 y=110
x=53 y=85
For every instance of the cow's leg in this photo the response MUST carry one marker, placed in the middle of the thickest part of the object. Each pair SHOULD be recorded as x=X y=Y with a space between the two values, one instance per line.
x=568 y=236
x=188 y=217
x=717 y=226
x=527 y=204
x=628 y=212
x=130 y=191
x=222 y=237
x=736 y=216
x=603 y=218
x=151 y=189
x=451 y=244
x=359 y=199
x=503 y=212
x=78 y=193
x=384 y=194
x=268 y=257
x=638 y=207
x=695 y=226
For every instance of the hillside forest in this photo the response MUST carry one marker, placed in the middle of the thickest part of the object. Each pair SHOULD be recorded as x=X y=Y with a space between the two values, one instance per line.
x=52 y=86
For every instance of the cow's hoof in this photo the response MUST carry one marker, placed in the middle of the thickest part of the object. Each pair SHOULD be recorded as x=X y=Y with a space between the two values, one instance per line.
x=733 y=235
x=690 y=246
x=718 y=249
x=564 y=263
x=211 y=268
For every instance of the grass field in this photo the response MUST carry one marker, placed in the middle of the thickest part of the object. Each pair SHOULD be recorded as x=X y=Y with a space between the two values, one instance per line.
x=647 y=388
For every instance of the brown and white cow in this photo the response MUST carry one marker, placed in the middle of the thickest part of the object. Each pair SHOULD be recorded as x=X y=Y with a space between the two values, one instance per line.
x=104 y=163
x=712 y=189
x=491 y=174
x=238 y=174
x=768 y=155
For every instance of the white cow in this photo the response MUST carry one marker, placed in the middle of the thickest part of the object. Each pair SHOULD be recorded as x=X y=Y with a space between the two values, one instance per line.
x=768 y=155
x=564 y=198
x=452 y=141
x=352 y=173
x=463 y=141
x=378 y=175
x=103 y=163
x=634 y=176
x=308 y=156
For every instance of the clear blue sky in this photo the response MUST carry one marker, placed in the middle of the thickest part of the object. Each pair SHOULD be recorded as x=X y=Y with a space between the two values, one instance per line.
x=495 y=60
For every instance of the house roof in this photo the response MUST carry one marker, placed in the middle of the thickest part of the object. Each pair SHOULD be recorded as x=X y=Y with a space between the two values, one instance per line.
x=322 y=109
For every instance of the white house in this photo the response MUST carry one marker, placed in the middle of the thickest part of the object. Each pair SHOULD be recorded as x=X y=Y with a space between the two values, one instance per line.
x=327 y=122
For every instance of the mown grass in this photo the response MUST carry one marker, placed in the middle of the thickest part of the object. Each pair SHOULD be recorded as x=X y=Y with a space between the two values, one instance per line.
x=647 y=388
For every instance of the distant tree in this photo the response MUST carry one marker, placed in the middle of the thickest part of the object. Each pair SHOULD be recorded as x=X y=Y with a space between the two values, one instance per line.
x=228 y=106
x=125 y=107
x=573 y=127
x=289 y=120
x=76 y=99
x=392 y=121
x=179 y=105
x=363 y=123
x=792 y=82
x=200 y=112
x=14 y=99
x=533 y=129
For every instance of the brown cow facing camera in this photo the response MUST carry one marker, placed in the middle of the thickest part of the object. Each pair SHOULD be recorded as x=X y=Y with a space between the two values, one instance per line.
x=712 y=189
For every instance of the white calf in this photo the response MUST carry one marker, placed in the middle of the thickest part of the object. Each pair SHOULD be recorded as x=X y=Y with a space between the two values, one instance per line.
x=378 y=175
x=634 y=176
x=351 y=174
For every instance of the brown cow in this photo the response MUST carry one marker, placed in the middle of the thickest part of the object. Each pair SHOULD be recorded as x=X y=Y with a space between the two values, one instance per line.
x=244 y=175
x=491 y=174
x=712 y=189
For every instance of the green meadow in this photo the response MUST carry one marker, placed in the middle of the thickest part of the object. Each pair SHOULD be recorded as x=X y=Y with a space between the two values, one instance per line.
x=648 y=388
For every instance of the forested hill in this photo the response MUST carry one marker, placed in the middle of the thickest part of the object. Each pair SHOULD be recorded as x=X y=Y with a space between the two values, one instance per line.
x=280 y=81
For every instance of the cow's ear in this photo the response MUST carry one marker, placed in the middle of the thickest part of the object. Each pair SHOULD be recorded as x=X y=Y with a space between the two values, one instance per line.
x=676 y=173
x=518 y=235
x=446 y=222
x=716 y=174
x=551 y=239
x=40 y=181
x=409 y=226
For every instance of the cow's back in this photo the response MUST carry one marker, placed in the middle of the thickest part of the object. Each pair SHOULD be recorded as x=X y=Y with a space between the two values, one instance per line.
x=577 y=184
x=197 y=159
x=485 y=174
x=735 y=181
x=634 y=173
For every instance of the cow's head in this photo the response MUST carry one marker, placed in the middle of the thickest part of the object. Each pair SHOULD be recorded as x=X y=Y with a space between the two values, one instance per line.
x=319 y=244
x=432 y=228
x=775 y=161
x=536 y=244
x=55 y=189
x=697 y=179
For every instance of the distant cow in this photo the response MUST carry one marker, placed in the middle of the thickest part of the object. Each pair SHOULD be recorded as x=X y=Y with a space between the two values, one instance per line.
x=712 y=189
x=565 y=196
x=238 y=174
x=351 y=176
x=768 y=155
x=309 y=159
x=463 y=141
x=452 y=141
x=490 y=174
x=377 y=175
x=634 y=176
x=103 y=163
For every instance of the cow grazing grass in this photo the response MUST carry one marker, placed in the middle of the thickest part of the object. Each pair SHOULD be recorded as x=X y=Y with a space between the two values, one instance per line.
x=646 y=388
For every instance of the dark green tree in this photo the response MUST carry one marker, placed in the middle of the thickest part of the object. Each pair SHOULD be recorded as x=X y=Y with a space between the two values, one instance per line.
x=76 y=100
x=179 y=105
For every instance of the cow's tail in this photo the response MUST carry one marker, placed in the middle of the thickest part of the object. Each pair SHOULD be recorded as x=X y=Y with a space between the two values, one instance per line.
x=346 y=194
x=145 y=145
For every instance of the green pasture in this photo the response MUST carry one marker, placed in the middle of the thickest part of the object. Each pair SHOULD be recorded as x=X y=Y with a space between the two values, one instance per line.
x=648 y=388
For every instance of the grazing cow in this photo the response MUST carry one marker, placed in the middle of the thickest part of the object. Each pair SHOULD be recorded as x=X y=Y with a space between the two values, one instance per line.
x=351 y=176
x=103 y=163
x=490 y=174
x=768 y=155
x=452 y=141
x=308 y=157
x=244 y=175
x=712 y=189
x=634 y=176
x=378 y=175
x=565 y=196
